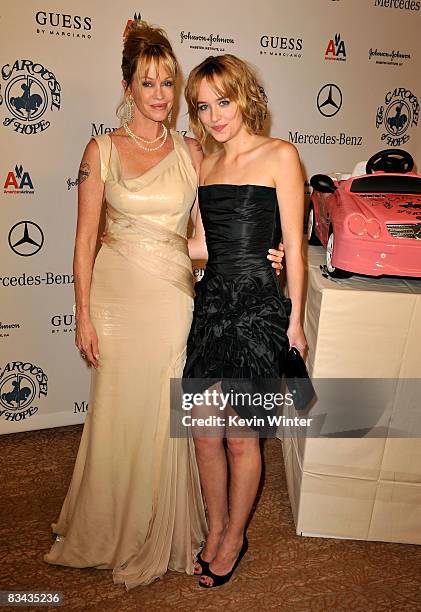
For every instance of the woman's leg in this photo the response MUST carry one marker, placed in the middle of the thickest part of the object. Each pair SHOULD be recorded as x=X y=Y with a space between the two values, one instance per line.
x=212 y=463
x=213 y=469
x=245 y=471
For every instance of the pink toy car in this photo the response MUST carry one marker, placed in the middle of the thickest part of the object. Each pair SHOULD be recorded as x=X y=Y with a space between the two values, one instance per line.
x=369 y=221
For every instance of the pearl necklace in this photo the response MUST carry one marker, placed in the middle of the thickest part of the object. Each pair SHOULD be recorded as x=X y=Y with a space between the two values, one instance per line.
x=128 y=130
x=138 y=140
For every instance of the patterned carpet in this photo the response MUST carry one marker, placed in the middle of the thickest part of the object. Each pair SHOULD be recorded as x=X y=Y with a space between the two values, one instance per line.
x=281 y=571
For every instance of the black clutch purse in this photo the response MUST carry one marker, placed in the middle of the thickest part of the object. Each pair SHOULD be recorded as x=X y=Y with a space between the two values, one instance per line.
x=298 y=380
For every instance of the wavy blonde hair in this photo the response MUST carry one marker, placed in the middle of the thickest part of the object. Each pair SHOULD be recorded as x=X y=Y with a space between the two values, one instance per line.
x=144 y=44
x=234 y=79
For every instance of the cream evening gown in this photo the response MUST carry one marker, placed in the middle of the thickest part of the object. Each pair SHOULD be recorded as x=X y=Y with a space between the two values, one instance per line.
x=134 y=503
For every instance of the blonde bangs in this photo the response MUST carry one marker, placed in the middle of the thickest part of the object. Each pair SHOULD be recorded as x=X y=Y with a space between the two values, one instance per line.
x=161 y=57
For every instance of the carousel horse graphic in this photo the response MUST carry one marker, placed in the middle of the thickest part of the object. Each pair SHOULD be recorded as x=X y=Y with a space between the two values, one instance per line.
x=18 y=395
x=397 y=122
x=26 y=103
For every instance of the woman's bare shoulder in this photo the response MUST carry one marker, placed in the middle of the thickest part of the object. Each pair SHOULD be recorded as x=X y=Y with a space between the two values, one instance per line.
x=281 y=147
x=116 y=134
x=280 y=152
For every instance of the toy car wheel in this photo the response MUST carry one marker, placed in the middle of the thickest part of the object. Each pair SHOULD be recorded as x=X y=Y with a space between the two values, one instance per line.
x=311 y=226
x=332 y=271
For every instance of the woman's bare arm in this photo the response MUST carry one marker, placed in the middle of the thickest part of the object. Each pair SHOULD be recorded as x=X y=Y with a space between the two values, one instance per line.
x=90 y=197
x=290 y=193
x=197 y=244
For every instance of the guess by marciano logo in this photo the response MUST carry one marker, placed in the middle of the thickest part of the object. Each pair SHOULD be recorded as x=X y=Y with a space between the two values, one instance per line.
x=281 y=46
x=60 y=24
x=63 y=323
x=22 y=385
x=31 y=91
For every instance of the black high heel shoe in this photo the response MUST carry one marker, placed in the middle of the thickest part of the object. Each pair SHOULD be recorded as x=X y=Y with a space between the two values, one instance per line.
x=219 y=580
x=203 y=564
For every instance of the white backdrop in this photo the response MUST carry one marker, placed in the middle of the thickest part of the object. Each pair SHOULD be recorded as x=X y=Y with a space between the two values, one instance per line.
x=60 y=84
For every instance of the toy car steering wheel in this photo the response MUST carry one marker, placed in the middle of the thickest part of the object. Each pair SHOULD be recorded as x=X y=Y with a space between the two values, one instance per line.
x=390 y=160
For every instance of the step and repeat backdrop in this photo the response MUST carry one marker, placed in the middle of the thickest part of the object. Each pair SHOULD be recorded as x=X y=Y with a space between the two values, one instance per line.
x=342 y=78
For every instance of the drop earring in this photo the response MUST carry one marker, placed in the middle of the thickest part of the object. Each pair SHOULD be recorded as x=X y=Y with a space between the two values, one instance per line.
x=128 y=110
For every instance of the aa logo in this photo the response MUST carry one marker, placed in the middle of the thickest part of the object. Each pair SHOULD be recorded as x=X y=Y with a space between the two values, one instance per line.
x=18 y=181
x=336 y=49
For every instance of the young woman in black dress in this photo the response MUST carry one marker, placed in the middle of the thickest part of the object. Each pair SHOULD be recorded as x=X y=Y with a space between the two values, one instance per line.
x=242 y=324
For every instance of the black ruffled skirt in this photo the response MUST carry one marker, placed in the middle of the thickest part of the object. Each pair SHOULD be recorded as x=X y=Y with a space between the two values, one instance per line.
x=238 y=332
x=238 y=329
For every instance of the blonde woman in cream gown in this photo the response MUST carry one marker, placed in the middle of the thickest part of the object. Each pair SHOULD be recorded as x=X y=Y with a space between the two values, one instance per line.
x=134 y=504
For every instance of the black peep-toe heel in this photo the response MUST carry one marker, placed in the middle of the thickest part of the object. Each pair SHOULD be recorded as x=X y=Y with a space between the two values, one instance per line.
x=203 y=564
x=219 y=580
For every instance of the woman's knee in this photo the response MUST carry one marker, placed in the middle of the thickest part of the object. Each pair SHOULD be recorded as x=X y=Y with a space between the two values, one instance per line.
x=238 y=447
x=207 y=446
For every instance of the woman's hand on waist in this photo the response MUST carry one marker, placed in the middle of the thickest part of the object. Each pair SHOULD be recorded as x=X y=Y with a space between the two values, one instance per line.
x=276 y=256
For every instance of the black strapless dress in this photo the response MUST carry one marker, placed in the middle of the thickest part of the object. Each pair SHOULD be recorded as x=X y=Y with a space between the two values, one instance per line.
x=240 y=314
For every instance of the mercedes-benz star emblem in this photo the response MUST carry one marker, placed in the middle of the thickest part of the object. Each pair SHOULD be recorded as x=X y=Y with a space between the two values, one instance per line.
x=26 y=238
x=329 y=100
